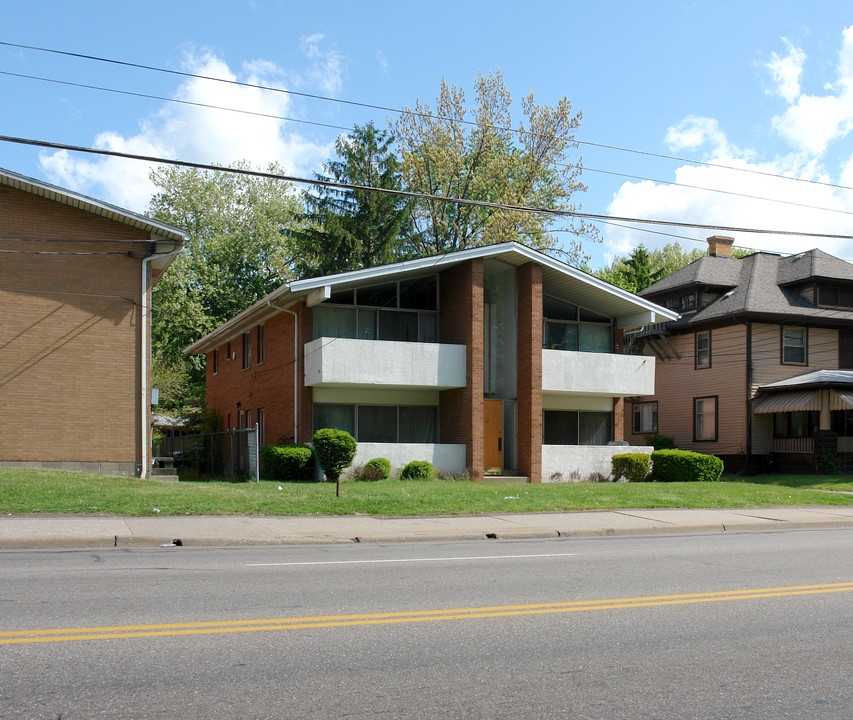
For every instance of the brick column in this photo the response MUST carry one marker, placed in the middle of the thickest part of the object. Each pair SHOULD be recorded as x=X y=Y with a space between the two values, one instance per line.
x=461 y=322
x=618 y=419
x=529 y=441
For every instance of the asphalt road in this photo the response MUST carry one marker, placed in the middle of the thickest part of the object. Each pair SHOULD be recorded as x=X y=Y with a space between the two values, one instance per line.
x=756 y=625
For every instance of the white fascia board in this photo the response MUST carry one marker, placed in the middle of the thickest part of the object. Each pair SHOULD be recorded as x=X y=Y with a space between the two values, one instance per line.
x=315 y=297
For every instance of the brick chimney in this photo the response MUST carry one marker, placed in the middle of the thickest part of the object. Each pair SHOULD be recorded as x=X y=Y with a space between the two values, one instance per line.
x=720 y=246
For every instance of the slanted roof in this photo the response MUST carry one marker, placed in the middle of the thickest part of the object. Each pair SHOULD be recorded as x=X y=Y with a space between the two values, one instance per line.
x=562 y=279
x=158 y=230
x=816 y=378
x=760 y=287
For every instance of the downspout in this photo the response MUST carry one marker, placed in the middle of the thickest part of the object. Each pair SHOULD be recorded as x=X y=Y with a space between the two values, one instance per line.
x=145 y=324
x=295 y=367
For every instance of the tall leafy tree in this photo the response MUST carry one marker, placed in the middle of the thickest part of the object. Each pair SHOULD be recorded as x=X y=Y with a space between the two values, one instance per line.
x=237 y=251
x=452 y=151
x=348 y=229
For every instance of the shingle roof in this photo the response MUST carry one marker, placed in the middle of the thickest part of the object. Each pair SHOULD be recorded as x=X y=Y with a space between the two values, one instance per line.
x=759 y=286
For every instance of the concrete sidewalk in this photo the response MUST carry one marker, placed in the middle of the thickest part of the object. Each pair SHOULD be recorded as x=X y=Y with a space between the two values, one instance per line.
x=72 y=531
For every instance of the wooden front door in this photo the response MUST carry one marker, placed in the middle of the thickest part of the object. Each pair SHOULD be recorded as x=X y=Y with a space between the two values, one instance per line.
x=493 y=436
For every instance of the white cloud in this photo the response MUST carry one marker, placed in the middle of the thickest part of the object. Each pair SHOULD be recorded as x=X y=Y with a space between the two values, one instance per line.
x=203 y=134
x=757 y=199
x=786 y=72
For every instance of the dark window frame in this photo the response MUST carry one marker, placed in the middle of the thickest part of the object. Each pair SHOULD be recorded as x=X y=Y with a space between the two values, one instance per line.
x=261 y=349
x=247 y=350
x=655 y=417
x=696 y=364
x=716 y=399
x=782 y=346
x=215 y=361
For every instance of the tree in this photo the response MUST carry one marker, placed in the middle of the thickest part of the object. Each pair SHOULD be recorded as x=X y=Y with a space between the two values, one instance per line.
x=236 y=252
x=351 y=229
x=445 y=155
x=335 y=451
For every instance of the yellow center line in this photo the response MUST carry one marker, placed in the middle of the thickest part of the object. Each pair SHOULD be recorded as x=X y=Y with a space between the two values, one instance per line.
x=323 y=621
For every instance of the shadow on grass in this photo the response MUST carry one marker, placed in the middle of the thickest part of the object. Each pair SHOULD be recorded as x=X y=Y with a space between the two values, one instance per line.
x=821 y=482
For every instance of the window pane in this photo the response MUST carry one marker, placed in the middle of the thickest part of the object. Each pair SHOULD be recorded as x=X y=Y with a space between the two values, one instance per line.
x=646 y=417
x=706 y=414
x=794 y=345
x=703 y=349
x=594 y=428
x=342 y=297
x=334 y=322
x=427 y=327
x=590 y=316
x=595 y=338
x=419 y=294
x=418 y=424
x=399 y=326
x=366 y=324
x=339 y=417
x=378 y=295
x=554 y=309
x=377 y=423
x=560 y=427
x=555 y=335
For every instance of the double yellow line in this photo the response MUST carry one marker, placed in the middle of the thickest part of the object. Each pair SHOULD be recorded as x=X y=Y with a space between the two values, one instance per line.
x=302 y=623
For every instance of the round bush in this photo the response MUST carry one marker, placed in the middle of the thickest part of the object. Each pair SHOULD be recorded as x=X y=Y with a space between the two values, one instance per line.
x=418 y=470
x=685 y=466
x=376 y=469
x=292 y=463
x=634 y=467
x=335 y=450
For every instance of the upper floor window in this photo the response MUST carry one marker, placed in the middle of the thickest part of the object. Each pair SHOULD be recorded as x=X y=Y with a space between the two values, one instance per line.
x=569 y=327
x=702 y=341
x=260 y=344
x=681 y=303
x=247 y=350
x=835 y=296
x=571 y=427
x=215 y=362
x=794 y=346
x=645 y=417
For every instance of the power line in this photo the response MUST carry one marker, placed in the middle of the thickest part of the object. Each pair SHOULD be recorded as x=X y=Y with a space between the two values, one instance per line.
x=403 y=111
x=413 y=195
x=272 y=116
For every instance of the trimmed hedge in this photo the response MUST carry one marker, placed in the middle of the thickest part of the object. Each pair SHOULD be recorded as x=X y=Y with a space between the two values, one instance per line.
x=375 y=469
x=634 y=467
x=660 y=442
x=418 y=470
x=292 y=463
x=685 y=466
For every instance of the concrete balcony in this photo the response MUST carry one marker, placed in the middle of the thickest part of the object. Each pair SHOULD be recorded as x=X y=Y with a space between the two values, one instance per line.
x=566 y=371
x=339 y=362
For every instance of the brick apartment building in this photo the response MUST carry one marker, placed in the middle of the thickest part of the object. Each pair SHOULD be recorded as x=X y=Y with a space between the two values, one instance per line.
x=75 y=294
x=499 y=360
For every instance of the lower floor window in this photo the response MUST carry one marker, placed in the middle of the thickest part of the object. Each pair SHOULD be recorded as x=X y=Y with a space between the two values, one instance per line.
x=705 y=418
x=796 y=424
x=380 y=423
x=645 y=417
x=572 y=427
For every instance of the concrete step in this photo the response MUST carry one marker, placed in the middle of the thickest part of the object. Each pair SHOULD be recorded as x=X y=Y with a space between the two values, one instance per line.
x=515 y=479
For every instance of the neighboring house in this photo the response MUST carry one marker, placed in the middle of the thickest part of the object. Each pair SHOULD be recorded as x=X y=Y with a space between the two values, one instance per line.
x=744 y=373
x=75 y=299
x=499 y=360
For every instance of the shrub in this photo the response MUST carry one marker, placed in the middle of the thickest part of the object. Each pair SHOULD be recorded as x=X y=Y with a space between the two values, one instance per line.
x=634 y=467
x=375 y=469
x=829 y=465
x=293 y=463
x=335 y=450
x=418 y=470
x=660 y=442
x=685 y=466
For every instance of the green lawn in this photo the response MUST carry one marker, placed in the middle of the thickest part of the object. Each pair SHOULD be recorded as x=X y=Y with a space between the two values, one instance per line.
x=43 y=491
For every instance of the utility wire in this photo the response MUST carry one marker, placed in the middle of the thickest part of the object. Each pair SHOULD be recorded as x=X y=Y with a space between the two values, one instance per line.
x=272 y=116
x=404 y=111
x=409 y=194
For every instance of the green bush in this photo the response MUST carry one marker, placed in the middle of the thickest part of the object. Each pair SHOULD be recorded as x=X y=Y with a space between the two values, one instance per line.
x=418 y=470
x=634 y=467
x=375 y=469
x=660 y=442
x=335 y=450
x=685 y=466
x=293 y=463
x=829 y=465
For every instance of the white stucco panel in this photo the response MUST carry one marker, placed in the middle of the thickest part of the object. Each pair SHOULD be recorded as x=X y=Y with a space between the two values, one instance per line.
x=580 y=463
x=597 y=373
x=346 y=362
x=443 y=456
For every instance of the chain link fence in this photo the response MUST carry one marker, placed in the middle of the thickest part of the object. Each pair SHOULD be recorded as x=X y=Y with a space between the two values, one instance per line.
x=230 y=454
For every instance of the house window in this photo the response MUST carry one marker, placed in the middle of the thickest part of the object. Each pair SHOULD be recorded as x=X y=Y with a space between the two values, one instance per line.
x=215 y=362
x=645 y=417
x=570 y=427
x=705 y=418
x=569 y=327
x=380 y=423
x=247 y=350
x=845 y=349
x=702 y=341
x=794 y=346
x=796 y=424
x=260 y=344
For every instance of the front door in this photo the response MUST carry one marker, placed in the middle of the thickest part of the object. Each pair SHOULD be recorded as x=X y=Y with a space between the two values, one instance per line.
x=493 y=436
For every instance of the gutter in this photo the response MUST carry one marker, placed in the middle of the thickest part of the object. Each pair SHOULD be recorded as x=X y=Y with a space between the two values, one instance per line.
x=295 y=366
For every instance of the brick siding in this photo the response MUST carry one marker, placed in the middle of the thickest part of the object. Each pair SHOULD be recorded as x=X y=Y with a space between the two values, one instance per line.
x=529 y=441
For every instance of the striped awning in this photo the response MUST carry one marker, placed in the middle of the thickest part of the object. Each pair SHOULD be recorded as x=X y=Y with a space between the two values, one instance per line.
x=841 y=400
x=787 y=402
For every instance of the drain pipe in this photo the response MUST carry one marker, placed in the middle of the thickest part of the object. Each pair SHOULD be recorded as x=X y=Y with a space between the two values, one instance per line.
x=295 y=366
x=145 y=325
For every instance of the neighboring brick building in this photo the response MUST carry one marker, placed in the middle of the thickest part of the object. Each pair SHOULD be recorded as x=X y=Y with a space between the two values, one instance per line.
x=499 y=360
x=75 y=328
x=759 y=369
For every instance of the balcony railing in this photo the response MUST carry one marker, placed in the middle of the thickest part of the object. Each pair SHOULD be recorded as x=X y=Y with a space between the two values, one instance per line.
x=801 y=445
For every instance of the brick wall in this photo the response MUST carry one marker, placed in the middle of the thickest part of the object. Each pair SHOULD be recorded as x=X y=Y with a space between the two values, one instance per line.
x=70 y=380
x=461 y=322
x=530 y=371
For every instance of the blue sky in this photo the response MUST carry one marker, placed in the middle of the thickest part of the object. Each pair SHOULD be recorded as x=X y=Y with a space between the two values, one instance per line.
x=763 y=86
